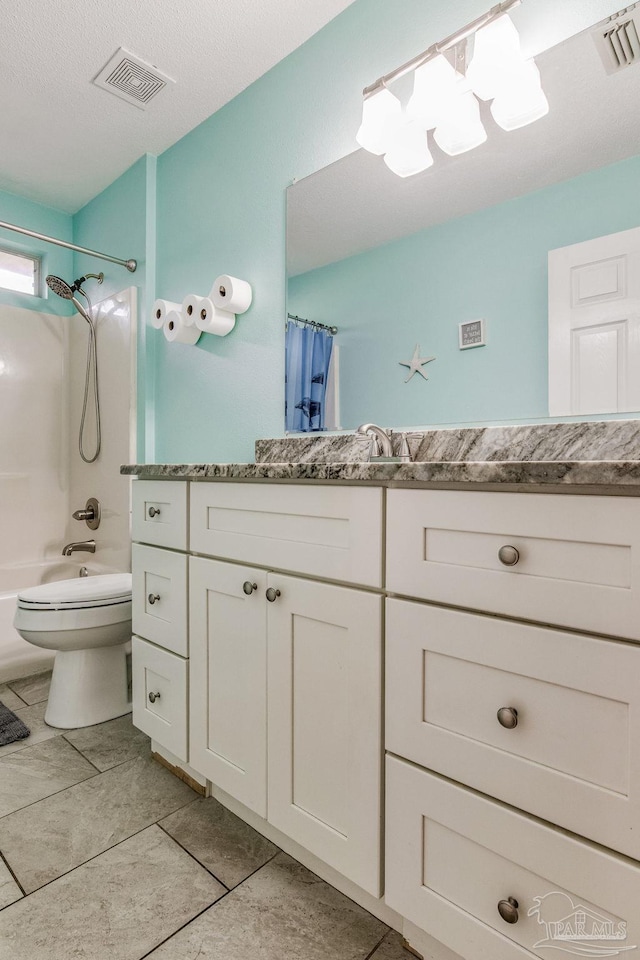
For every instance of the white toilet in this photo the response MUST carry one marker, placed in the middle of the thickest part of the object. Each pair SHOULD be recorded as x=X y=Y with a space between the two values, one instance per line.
x=88 y=622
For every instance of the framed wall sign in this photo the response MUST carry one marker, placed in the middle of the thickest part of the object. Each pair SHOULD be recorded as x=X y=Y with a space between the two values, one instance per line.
x=471 y=334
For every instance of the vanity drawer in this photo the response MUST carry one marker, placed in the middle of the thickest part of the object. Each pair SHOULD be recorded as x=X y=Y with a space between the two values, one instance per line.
x=160 y=597
x=453 y=855
x=160 y=696
x=572 y=758
x=331 y=532
x=160 y=513
x=579 y=556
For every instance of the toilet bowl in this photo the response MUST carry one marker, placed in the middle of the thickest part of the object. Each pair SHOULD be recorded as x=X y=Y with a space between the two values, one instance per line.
x=87 y=621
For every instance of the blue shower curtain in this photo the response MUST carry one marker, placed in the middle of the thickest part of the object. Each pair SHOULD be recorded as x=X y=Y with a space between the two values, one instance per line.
x=307 y=356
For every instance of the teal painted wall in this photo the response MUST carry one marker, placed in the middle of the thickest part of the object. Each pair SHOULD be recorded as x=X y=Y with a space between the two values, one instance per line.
x=56 y=260
x=120 y=221
x=491 y=264
x=221 y=209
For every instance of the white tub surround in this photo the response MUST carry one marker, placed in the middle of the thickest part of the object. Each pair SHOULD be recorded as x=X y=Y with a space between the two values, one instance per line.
x=508 y=589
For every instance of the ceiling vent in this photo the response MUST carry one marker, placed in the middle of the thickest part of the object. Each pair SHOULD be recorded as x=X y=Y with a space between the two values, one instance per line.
x=618 y=39
x=131 y=79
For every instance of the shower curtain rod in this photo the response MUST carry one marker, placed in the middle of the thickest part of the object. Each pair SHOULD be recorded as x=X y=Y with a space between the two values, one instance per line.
x=313 y=323
x=129 y=264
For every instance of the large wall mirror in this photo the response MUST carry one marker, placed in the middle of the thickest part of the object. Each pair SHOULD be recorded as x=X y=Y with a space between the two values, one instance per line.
x=394 y=264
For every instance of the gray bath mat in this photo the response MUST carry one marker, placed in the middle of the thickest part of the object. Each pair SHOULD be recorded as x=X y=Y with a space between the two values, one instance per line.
x=11 y=727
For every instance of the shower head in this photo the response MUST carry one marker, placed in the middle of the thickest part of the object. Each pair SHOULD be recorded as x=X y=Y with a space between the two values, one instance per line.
x=65 y=290
x=60 y=287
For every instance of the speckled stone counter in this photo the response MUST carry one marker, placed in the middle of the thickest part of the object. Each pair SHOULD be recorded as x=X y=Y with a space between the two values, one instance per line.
x=598 y=456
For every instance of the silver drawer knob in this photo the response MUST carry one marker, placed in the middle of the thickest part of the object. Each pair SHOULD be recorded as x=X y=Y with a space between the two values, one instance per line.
x=153 y=697
x=249 y=587
x=508 y=910
x=154 y=512
x=508 y=555
x=272 y=595
x=153 y=597
x=508 y=717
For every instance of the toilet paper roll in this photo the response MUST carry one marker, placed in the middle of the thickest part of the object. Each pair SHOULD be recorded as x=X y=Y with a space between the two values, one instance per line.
x=176 y=332
x=229 y=293
x=210 y=319
x=160 y=310
x=190 y=309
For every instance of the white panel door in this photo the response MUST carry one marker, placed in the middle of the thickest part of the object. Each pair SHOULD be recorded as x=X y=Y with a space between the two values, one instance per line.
x=594 y=325
x=325 y=723
x=228 y=677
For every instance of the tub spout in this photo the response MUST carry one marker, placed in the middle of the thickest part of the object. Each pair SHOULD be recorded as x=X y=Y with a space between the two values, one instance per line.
x=86 y=546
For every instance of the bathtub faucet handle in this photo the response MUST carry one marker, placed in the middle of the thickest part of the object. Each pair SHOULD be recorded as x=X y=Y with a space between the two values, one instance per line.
x=90 y=514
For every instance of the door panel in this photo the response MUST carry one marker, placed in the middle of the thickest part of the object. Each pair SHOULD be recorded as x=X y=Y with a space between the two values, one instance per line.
x=228 y=679
x=325 y=745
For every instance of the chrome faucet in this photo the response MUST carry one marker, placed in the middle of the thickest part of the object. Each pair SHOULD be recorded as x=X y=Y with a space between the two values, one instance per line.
x=381 y=440
x=86 y=546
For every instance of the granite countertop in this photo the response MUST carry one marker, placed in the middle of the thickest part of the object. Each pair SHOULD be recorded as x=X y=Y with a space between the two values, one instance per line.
x=581 y=455
x=600 y=473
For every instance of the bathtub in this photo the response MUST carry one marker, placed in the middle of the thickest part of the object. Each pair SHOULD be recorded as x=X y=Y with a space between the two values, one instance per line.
x=17 y=657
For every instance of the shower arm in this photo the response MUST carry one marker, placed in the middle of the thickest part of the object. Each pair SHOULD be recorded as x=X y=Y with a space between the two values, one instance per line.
x=129 y=264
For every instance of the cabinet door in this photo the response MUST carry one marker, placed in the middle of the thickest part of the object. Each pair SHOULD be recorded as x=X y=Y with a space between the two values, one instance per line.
x=324 y=726
x=228 y=678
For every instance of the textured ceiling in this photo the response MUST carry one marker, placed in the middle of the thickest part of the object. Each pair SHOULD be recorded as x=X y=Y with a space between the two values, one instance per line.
x=64 y=139
x=357 y=203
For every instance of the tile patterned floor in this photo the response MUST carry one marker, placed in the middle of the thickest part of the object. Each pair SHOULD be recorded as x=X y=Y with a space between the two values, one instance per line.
x=105 y=855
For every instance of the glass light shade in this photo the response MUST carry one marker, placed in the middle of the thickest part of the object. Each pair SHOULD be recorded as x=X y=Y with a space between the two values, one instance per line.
x=436 y=88
x=462 y=128
x=513 y=110
x=496 y=56
x=409 y=153
x=381 y=117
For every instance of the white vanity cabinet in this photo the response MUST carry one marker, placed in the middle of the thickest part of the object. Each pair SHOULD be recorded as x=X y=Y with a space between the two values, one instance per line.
x=160 y=646
x=510 y=712
x=300 y=659
x=511 y=694
x=285 y=671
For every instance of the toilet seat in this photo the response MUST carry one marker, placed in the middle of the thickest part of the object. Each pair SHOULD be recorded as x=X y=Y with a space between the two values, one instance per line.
x=80 y=593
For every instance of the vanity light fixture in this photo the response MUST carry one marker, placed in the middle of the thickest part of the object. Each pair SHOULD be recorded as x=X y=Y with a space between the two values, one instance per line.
x=445 y=97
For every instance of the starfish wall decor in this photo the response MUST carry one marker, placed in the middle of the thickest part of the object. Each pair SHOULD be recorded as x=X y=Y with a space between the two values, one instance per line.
x=416 y=363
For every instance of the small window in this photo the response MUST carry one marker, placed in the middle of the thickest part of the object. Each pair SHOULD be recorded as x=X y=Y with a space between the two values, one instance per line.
x=19 y=272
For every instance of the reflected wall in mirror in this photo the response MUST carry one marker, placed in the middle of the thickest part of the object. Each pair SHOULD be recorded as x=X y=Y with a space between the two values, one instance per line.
x=397 y=262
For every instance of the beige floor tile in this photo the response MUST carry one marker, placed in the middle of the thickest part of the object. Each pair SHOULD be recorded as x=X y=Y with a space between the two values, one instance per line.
x=40 y=731
x=32 y=689
x=282 y=911
x=51 y=837
x=108 y=744
x=220 y=841
x=40 y=771
x=9 y=889
x=116 y=907
x=9 y=698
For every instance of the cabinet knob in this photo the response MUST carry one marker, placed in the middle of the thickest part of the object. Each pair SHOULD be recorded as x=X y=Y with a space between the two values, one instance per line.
x=249 y=587
x=153 y=697
x=154 y=512
x=272 y=595
x=508 y=910
x=508 y=555
x=508 y=717
x=153 y=597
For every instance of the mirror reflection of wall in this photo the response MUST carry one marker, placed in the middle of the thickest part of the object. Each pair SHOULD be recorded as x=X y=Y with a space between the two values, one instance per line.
x=398 y=263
